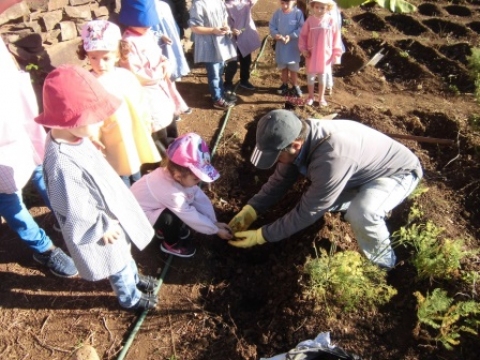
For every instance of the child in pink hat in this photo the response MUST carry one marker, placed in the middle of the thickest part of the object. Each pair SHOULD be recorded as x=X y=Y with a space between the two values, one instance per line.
x=125 y=137
x=98 y=215
x=173 y=201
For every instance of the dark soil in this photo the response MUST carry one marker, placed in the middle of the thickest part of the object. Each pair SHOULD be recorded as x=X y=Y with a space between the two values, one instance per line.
x=228 y=303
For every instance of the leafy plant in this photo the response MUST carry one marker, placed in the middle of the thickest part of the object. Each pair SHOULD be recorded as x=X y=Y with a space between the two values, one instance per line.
x=396 y=6
x=433 y=257
x=441 y=313
x=474 y=66
x=348 y=279
x=404 y=54
x=474 y=121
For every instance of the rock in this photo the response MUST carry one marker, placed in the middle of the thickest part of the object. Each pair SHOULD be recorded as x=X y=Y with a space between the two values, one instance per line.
x=100 y=11
x=62 y=53
x=78 y=12
x=68 y=30
x=15 y=12
x=56 y=4
x=51 y=19
x=52 y=36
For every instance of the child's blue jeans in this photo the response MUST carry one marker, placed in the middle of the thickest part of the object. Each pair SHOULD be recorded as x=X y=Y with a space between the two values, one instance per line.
x=14 y=211
x=366 y=209
x=124 y=283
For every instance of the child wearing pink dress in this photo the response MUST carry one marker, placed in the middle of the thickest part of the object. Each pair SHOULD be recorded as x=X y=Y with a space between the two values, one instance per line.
x=142 y=55
x=320 y=43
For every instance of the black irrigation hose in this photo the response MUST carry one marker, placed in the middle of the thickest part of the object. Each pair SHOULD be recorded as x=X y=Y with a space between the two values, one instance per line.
x=143 y=315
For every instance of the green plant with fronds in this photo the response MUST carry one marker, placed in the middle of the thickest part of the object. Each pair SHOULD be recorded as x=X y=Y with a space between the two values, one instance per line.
x=348 y=279
x=434 y=258
x=474 y=66
x=474 y=121
x=396 y=6
x=447 y=317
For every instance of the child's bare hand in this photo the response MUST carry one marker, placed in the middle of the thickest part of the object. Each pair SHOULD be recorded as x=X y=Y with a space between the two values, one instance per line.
x=112 y=234
x=224 y=231
x=306 y=53
x=167 y=40
x=286 y=39
x=279 y=37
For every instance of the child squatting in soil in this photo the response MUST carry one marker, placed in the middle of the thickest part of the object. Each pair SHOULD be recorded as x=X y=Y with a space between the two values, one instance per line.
x=285 y=26
x=125 y=137
x=98 y=215
x=321 y=45
x=142 y=55
x=173 y=201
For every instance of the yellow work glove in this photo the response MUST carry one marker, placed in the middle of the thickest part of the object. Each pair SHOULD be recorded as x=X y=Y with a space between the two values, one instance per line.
x=243 y=219
x=249 y=238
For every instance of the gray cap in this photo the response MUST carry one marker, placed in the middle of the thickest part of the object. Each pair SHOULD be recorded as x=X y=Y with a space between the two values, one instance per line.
x=275 y=131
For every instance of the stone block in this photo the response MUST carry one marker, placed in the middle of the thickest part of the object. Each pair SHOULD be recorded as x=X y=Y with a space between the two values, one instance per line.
x=37 y=5
x=52 y=36
x=101 y=11
x=79 y=2
x=51 y=19
x=68 y=30
x=56 y=4
x=79 y=12
x=62 y=53
x=15 y=12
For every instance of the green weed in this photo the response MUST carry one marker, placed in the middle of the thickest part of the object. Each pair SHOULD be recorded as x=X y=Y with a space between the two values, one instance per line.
x=474 y=66
x=348 y=279
x=434 y=258
x=448 y=318
x=474 y=121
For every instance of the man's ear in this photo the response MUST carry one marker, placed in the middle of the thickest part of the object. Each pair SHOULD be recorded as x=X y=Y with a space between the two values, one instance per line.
x=295 y=147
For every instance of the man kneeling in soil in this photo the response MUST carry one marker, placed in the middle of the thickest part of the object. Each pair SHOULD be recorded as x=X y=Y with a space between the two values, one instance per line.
x=352 y=168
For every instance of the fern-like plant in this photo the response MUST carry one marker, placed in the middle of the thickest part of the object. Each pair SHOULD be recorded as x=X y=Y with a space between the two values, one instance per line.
x=449 y=319
x=474 y=66
x=348 y=279
x=434 y=258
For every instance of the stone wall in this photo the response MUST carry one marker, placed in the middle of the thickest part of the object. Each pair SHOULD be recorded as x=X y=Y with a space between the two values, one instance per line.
x=46 y=32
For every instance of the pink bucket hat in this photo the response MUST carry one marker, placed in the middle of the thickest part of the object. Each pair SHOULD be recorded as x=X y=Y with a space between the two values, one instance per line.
x=192 y=152
x=101 y=35
x=73 y=97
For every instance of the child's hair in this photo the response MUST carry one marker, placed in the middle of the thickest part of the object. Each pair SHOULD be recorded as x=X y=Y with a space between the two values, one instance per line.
x=173 y=168
x=82 y=54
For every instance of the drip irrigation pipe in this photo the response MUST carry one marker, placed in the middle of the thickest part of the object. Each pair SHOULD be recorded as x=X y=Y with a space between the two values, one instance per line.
x=139 y=321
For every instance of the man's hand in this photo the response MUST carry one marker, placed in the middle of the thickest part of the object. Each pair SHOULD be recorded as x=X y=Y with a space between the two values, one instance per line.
x=243 y=219
x=246 y=239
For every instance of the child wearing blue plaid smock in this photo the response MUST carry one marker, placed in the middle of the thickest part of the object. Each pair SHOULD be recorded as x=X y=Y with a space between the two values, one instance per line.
x=97 y=213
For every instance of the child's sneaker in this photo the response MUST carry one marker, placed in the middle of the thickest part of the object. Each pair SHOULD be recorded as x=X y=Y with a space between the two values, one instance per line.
x=188 y=111
x=182 y=248
x=282 y=90
x=328 y=91
x=59 y=263
x=146 y=302
x=309 y=102
x=223 y=104
x=146 y=284
x=184 y=233
x=296 y=91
